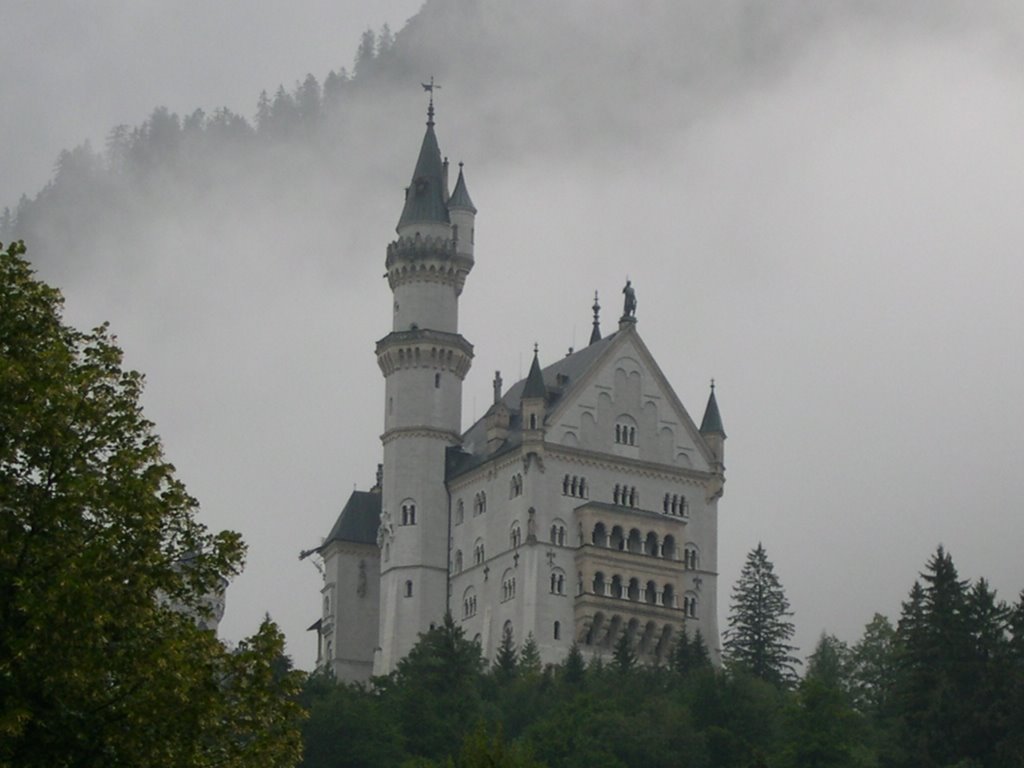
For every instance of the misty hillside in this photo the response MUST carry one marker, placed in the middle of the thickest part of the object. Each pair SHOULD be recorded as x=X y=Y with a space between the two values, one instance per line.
x=549 y=84
x=817 y=203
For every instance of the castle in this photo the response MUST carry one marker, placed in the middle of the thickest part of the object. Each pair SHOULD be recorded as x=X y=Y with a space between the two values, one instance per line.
x=583 y=505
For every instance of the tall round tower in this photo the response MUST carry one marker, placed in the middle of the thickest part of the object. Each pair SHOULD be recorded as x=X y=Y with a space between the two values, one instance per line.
x=424 y=361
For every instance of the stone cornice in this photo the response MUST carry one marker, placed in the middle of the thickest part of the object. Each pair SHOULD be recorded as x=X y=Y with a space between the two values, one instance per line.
x=424 y=348
x=427 y=259
x=420 y=430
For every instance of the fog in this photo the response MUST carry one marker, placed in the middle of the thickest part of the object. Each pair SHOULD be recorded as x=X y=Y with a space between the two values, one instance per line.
x=818 y=204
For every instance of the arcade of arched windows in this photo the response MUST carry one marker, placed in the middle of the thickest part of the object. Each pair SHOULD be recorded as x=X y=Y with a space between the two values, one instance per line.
x=635 y=590
x=478 y=552
x=626 y=495
x=575 y=486
x=515 y=486
x=676 y=505
x=650 y=641
x=635 y=542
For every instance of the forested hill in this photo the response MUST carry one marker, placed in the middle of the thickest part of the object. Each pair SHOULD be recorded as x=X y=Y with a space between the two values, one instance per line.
x=551 y=78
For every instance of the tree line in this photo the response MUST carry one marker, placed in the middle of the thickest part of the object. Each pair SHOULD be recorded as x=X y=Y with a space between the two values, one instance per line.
x=943 y=688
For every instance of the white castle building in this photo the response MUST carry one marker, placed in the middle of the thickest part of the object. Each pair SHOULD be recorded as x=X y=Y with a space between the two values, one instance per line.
x=582 y=506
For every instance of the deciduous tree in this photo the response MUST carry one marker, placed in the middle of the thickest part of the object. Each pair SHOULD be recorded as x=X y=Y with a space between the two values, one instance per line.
x=101 y=658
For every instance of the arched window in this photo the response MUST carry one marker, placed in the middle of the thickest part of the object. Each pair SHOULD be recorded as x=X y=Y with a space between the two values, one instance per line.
x=617 y=586
x=634 y=543
x=478 y=552
x=565 y=485
x=625 y=430
x=408 y=588
x=557 y=581
x=515 y=535
x=557 y=631
x=616 y=540
x=508 y=585
x=458 y=561
x=668 y=598
x=533 y=421
x=408 y=512
x=515 y=486
x=558 y=533
x=460 y=512
x=651 y=544
x=668 y=547
x=690 y=557
x=598 y=583
x=651 y=593
x=600 y=535
x=437 y=381
x=690 y=605
x=469 y=602
x=506 y=629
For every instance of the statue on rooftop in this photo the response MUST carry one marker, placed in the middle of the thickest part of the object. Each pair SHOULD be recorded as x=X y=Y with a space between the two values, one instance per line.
x=629 y=304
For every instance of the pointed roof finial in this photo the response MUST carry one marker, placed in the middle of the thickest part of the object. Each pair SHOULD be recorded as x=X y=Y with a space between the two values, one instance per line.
x=430 y=88
x=595 y=334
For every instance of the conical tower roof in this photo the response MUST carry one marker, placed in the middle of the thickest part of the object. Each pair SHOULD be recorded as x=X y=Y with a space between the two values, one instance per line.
x=460 y=196
x=534 y=380
x=424 y=197
x=711 y=424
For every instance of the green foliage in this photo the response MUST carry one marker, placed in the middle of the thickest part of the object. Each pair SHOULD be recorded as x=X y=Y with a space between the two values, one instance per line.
x=529 y=656
x=446 y=670
x=507 y=660
x=759 y=632
x=103 y=566
x=623 y=657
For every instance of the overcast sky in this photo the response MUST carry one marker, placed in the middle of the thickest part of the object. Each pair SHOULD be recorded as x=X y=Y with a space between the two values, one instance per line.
x=833 y=233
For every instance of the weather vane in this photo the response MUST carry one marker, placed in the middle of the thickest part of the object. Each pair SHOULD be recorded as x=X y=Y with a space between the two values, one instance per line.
x=430 y=88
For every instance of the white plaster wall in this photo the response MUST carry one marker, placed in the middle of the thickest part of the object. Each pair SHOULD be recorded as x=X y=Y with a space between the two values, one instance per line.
x=353 y=617
x=428 y=304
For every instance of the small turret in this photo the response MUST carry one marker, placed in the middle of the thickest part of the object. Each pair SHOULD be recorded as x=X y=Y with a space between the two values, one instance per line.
x=462 y=213
x=712 y=430
x=533 y=398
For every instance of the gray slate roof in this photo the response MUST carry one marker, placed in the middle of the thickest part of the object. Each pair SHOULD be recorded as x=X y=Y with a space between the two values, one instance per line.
x=559 y=379
x=424 y=198
x=358 y=521
x=460 y=195
x=711 y=424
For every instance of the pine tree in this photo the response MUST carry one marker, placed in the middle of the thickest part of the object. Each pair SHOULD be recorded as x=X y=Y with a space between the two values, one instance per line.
x=623 y=658
x=574 y=669
x=758 y=636
x=529 y=656
x=507 y=659
x=872 y=666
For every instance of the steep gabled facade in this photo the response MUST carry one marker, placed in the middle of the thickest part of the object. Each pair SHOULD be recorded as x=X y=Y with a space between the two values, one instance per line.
x=581 y=507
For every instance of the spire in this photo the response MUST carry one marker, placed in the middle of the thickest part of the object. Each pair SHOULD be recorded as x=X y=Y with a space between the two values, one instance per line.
x=424 y=197
x=595 y=335
x=712 y=421
x=460 y=196
x=535 y=380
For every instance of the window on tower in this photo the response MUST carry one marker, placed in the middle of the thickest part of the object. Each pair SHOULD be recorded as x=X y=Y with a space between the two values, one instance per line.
x=409 y=513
